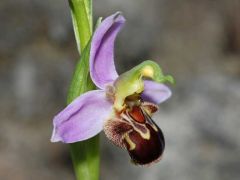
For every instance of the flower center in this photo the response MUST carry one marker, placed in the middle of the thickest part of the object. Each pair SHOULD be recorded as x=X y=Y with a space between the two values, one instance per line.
x=132 y=81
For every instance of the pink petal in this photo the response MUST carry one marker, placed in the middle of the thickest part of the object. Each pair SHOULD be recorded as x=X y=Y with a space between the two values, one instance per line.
x=83 y=118
x=155 y=92
x=102 y=68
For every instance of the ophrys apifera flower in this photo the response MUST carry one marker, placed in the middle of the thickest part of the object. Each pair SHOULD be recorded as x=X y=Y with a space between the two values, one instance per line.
x=122 y=106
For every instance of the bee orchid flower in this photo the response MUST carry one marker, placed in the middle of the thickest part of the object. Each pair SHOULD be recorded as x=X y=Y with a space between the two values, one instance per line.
x=122 y=106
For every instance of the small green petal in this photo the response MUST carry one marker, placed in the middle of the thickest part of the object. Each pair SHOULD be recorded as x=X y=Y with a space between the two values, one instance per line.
x=131 y=82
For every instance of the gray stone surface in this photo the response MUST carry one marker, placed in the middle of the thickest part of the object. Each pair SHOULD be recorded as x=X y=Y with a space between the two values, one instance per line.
x=196 y=41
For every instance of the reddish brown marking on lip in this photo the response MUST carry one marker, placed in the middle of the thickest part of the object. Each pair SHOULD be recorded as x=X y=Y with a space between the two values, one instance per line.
x=146 y=151
x=137 y=115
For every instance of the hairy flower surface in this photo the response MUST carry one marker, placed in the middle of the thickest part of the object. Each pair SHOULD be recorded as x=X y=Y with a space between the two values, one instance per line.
x=122 y=106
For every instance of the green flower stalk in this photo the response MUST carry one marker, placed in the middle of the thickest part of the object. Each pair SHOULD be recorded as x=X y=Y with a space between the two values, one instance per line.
x=85 y=154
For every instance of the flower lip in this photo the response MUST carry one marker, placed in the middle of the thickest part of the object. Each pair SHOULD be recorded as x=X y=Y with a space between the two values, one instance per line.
x=134 y=130
x=144 y=151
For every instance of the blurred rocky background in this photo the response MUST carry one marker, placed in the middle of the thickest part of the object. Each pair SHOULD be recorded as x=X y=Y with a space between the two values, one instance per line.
x=196 y=41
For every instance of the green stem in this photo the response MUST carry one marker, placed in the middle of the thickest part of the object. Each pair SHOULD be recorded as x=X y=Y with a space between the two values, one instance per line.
x=81 y=11
x=85 y=154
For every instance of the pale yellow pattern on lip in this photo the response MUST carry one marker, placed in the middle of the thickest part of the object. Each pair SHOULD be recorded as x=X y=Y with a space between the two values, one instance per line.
x=129 y=141
x=143 y=135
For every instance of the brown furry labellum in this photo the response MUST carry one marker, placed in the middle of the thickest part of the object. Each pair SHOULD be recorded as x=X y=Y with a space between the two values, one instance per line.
x=134 y=130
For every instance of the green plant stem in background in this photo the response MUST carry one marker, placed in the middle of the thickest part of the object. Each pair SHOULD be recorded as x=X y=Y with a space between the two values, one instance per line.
x=85 y=154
